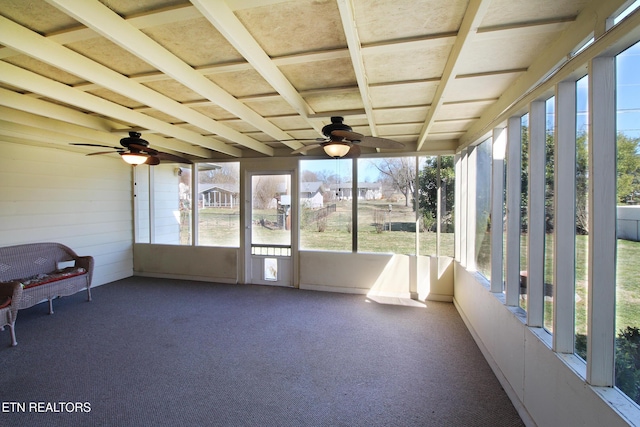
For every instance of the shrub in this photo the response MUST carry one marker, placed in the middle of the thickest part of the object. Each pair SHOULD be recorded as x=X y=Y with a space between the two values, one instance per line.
x=321 y=223
x=378 y=220
x=627 y=364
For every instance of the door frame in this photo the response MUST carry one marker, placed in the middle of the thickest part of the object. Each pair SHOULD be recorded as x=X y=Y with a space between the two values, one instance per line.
x=246 y=258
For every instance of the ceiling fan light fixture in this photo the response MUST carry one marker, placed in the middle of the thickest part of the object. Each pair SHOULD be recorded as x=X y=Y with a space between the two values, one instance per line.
x=134 y=158
x=336 y=149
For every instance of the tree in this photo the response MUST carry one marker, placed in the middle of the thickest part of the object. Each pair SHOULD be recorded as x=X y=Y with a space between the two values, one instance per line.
x=400 y=172
x=628 y=169
x=582 y=184
x=266 y=188
x=226 y=173
x=428 y=190
x=524 y=179
x=628 y=176
x=308 y=176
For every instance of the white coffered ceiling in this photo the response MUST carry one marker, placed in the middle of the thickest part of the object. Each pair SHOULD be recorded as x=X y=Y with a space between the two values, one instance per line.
x=249 y=78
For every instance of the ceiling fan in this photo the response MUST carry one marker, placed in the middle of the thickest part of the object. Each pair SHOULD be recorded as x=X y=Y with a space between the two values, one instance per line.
x=341 y=141
x=136 y=151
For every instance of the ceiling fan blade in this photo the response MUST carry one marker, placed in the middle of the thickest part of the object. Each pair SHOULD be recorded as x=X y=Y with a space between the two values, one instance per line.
x=354 y=152
x=142 y=148
x=368 y=141
x=171 y=158
x=306 y=148
x=152 y=161
x=348 y=135
x=377 y=142
x=94 y=145
x=105 y=152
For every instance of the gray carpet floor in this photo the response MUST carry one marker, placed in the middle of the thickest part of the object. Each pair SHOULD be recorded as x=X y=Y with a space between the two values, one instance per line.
x=152 y=352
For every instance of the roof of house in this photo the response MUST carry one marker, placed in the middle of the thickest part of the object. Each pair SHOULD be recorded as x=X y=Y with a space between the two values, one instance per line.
x=310 y=187
x=228 y=188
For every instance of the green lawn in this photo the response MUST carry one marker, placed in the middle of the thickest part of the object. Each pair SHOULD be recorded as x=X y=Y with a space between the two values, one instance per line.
x=627 y=282
x=221 y=227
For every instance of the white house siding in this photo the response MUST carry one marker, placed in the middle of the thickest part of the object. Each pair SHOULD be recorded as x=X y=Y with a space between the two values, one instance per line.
x=52 y=195
x=166 y=189
x=141 y=202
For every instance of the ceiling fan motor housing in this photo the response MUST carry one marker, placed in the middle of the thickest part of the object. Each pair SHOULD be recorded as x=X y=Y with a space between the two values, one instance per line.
x=133 y=138
x=336 y=124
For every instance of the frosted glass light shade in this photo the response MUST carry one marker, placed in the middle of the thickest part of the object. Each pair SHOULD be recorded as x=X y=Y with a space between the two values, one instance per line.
x=135 y=158
x=336 y=149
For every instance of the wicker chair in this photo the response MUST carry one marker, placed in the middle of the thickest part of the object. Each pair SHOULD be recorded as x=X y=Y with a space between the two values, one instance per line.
x=23 y=261
x=9 y=313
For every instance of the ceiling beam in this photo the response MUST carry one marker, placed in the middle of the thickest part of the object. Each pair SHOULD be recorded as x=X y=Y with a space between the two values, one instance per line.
x=110 y=25
x=42 y=108
x=30 y=133
x=413 y=43
x=228 y=24
x=524 y=28
x=74 y=133
x=21 y=78
x=471 y=21
x=158 y=17
x=43 y=49
x=355 y=51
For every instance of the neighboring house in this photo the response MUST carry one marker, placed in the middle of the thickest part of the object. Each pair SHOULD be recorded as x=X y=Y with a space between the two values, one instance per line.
x=311 y=194
x=366 y=191
x=218 y=195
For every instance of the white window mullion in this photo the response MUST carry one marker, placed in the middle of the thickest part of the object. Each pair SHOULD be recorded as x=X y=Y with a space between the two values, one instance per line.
x=497 y=217
x=457 y=164
x=472 y=158
x=564 y=261
x=135 y=206
x=152 y=205
x=514 y=188
x=416 y=201
x=461 y=207
x=536 y=226
x=354 y=205
x=602 y=222
x=195 y=212
x=438 y=205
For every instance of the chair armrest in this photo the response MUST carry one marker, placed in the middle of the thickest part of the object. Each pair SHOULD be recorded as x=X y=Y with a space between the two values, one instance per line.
x=87 y=263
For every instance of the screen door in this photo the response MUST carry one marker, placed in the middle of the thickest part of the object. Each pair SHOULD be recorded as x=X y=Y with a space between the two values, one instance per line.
x=269 y=232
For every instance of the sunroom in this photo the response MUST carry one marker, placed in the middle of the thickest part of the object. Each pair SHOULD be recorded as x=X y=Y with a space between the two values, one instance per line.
x=493 y=162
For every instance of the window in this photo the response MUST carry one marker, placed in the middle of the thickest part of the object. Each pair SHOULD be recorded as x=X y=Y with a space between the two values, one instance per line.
x=428 y=204
x=626 y=12
x=627 y=351
x=447 y=201
x=141 y=199
x=169 y=227
x=218 y=203
x=436 y=190
x=549 y=214
x=483 y=208
x=184 y=205
x=582 y=218
x=524 y=210
x=386 y=205
x=325 y=204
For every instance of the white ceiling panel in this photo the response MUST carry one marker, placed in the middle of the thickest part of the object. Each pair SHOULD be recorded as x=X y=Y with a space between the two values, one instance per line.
x=245 y=78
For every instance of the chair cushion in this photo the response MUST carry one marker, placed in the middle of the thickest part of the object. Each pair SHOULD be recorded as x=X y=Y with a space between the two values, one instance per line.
x=41 y=279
